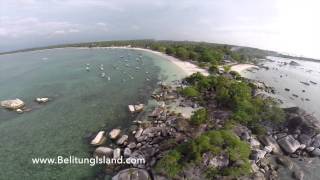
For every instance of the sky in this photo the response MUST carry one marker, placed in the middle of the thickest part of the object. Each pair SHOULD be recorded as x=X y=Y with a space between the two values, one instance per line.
x=290 y=26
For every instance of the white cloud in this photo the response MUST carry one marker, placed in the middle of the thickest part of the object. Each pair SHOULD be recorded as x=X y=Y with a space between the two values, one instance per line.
x=21 y=27
x=101 y=24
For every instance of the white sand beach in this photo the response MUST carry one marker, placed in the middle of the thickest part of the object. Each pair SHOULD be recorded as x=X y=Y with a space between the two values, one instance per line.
x=188 y=67
x=242 y=67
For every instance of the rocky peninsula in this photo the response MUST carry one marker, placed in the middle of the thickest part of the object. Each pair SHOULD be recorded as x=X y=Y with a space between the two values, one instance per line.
x=233 y=132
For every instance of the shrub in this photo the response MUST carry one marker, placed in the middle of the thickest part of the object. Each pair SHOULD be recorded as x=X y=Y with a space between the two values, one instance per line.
x=199 y=117
x=190 y=92
x=169 y=164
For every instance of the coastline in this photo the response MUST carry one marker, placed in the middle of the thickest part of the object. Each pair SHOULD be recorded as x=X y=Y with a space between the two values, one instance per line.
x=188 y=67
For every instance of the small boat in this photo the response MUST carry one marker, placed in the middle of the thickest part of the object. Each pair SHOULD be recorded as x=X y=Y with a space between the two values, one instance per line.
x=103 y=75
x=147 y=72
x=101 y=68
x=305 y=83
x=87 y=68
x=109 y=78
x=88 y=64
x=294 y=95
x=313 y=82
x=147 y=79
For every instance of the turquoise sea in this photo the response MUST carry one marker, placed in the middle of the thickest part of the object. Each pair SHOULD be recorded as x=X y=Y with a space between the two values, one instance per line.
x=82 y=102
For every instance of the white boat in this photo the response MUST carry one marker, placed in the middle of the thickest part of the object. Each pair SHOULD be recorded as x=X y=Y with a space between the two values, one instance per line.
x=87 y=68
x=109 y=78
x=103 y=75
x=101 y=68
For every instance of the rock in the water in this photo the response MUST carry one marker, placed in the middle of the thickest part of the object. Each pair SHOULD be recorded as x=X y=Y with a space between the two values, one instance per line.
x=136 y=108
x=116 y=153
x=131 y=108
x=104 y=151
x=12 y=104
x=293 y=63
x=114 y=133
x=139 y=107
x=99 y=139
x=123 y=139
x=132 y=174
x=42 y=100
x=289 y=144
x=19 y=111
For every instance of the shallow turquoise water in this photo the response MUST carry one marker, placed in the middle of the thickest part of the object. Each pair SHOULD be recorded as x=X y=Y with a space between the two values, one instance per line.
x=82 y=102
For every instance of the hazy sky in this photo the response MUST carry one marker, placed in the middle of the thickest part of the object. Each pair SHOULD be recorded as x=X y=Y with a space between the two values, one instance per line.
x=284 y=25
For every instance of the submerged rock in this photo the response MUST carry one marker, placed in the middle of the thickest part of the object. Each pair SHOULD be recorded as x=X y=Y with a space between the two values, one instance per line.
x=12 y=104
x=132 y=174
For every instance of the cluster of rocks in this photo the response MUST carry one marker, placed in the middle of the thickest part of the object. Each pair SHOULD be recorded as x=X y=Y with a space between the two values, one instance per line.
x=143 y=141
x=299 y=137
x=260 y=150
x=19 y=106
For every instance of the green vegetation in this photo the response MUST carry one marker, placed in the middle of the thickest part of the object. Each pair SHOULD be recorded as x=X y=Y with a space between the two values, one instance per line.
x=237 y=96
x=169 y=164
x=190 y=92
x=199 y=117
x=216 y=142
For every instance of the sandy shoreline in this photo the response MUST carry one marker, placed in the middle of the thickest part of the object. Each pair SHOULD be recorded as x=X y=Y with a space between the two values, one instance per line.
x=186 y=66
x=242 y=67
